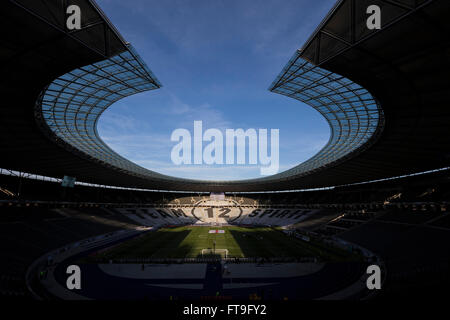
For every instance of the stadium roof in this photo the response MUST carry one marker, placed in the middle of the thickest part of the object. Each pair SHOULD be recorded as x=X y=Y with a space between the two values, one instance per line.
x=383 y=92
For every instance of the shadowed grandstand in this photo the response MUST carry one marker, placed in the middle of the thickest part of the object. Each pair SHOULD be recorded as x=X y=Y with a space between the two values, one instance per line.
x=379 y=190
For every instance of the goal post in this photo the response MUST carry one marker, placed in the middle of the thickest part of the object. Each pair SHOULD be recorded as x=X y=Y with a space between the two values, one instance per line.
x=208 y=252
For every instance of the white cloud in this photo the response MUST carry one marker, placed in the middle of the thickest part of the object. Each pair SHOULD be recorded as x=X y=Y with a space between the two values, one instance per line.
x=152 y=149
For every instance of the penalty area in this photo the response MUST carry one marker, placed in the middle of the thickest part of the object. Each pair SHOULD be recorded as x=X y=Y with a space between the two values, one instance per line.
x=213 y=252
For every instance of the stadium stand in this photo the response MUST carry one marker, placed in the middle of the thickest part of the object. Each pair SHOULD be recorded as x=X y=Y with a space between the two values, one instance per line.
x=35 y=231
x=388 y=116
x=404 y=216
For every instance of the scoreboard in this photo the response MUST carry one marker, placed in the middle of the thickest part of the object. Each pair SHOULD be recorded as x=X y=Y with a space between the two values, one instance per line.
x=217 y=196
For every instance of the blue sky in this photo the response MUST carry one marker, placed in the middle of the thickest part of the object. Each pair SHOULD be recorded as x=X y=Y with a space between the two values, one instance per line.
x=215 y=60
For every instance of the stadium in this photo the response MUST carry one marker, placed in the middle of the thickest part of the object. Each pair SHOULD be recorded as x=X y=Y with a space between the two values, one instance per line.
x=377 y=193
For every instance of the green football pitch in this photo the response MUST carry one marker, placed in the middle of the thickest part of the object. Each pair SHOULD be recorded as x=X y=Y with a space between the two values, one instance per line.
x=240 y=242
